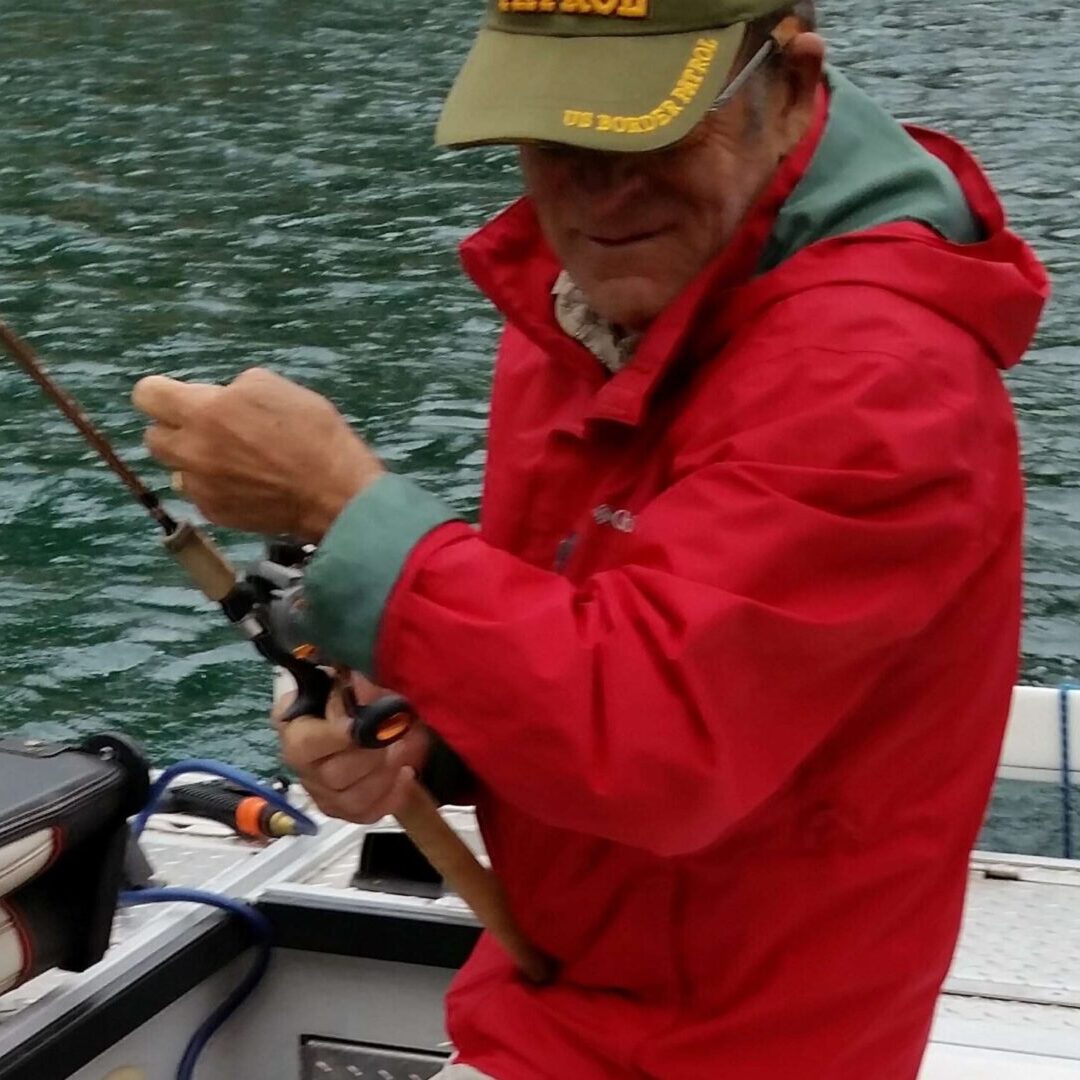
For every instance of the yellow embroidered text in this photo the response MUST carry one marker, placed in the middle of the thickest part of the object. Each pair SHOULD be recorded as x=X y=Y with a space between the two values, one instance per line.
x=684 y=91
x=626 y=9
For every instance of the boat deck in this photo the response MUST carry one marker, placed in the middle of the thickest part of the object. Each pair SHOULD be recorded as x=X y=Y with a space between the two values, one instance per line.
x=360 y=974
x=1014 y=987
x=1010 y=1010
x=1011 y=1004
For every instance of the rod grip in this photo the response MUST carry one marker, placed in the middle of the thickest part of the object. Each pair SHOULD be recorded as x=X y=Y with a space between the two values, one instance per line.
x=474 y=883
x=205 y=565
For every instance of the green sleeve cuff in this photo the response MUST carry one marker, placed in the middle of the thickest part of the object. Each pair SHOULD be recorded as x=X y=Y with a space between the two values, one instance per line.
x=349 y=580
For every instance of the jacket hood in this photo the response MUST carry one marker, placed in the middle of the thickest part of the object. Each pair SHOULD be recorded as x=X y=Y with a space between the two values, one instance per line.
x=863 y=200
x=908 y=210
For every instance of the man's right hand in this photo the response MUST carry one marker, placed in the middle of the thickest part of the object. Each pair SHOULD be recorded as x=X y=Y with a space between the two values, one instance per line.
x=345 y=780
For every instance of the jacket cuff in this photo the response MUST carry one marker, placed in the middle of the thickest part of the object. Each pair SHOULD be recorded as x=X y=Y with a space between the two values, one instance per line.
x=350 y=578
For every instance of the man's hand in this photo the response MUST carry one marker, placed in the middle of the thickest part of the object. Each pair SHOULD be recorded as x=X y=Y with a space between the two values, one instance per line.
x=345 y=780
x=261 y=454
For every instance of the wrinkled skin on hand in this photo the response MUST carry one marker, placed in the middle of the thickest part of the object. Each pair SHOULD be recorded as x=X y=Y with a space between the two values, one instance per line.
x=262 y=454
x=347 y=781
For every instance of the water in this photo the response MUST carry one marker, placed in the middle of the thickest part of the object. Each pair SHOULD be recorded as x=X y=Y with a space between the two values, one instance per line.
x=195 y=187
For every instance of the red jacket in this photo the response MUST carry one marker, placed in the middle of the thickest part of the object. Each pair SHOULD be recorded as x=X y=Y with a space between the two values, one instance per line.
x=732 y=651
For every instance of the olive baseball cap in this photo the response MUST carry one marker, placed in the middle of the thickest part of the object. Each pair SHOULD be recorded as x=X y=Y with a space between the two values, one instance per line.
x=623 y=75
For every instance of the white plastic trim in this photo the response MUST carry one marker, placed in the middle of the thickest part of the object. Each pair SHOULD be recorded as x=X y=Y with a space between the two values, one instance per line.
x=24 y=859
x=1032 y=749
x=12 y=957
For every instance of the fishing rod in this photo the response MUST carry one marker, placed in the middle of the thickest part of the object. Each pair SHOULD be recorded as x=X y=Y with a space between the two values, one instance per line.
x=26 y=358
x=264 y=603
x=258 y=603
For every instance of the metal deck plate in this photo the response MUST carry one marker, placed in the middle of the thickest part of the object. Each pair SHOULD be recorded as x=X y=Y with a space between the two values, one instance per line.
x=997 y=1013
x=322 y=1059
x=1021 y=934
x=178 y=858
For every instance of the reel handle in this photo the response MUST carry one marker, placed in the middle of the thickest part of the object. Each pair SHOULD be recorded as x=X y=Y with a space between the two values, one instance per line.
x=374 y=727
x=380 y=724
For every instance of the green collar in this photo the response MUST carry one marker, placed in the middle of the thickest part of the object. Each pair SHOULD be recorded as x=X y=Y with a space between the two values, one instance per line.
x=867 y=171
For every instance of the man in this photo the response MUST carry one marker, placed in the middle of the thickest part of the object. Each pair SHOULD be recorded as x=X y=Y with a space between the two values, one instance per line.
x=730 y=655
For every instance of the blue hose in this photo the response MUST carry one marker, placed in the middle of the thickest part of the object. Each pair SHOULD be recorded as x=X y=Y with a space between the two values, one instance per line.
x=257 y=922
x=304 y=824
x=262 y=934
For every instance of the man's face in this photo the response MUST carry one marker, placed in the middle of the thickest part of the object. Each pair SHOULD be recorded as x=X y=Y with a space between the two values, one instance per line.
x=633 y=230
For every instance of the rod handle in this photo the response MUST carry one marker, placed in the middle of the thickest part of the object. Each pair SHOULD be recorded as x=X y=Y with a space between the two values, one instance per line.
x=205 y=565
x=473 y=882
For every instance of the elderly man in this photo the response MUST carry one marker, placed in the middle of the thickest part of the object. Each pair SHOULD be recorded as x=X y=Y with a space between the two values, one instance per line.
x=730 y=654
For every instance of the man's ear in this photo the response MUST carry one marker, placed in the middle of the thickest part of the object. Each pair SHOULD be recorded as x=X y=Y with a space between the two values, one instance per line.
x=803 y=62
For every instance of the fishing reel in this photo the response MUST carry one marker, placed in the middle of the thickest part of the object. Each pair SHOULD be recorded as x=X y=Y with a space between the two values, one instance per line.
x=271 y=592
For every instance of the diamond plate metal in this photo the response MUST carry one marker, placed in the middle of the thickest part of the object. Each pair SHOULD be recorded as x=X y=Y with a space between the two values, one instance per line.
x=1008 y=1013
x=323 y=1059
x=1021 y=938
x=191 y=861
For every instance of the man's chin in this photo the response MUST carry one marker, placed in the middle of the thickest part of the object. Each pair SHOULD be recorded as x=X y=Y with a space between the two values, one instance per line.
x=630 y=303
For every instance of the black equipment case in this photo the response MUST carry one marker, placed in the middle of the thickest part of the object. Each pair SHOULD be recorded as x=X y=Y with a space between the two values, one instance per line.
x=63 y=841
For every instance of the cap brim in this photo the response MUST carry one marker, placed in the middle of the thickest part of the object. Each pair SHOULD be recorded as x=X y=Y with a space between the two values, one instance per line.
x=630 y=93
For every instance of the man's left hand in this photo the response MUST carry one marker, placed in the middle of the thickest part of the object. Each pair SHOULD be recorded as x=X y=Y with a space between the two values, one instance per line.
x=261 y=454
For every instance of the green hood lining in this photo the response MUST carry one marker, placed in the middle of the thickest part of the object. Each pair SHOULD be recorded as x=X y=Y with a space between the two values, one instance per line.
x=867 y=171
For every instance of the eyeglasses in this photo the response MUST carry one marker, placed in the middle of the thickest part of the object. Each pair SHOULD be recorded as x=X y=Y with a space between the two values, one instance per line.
x=732 y=89
x=781 y=37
